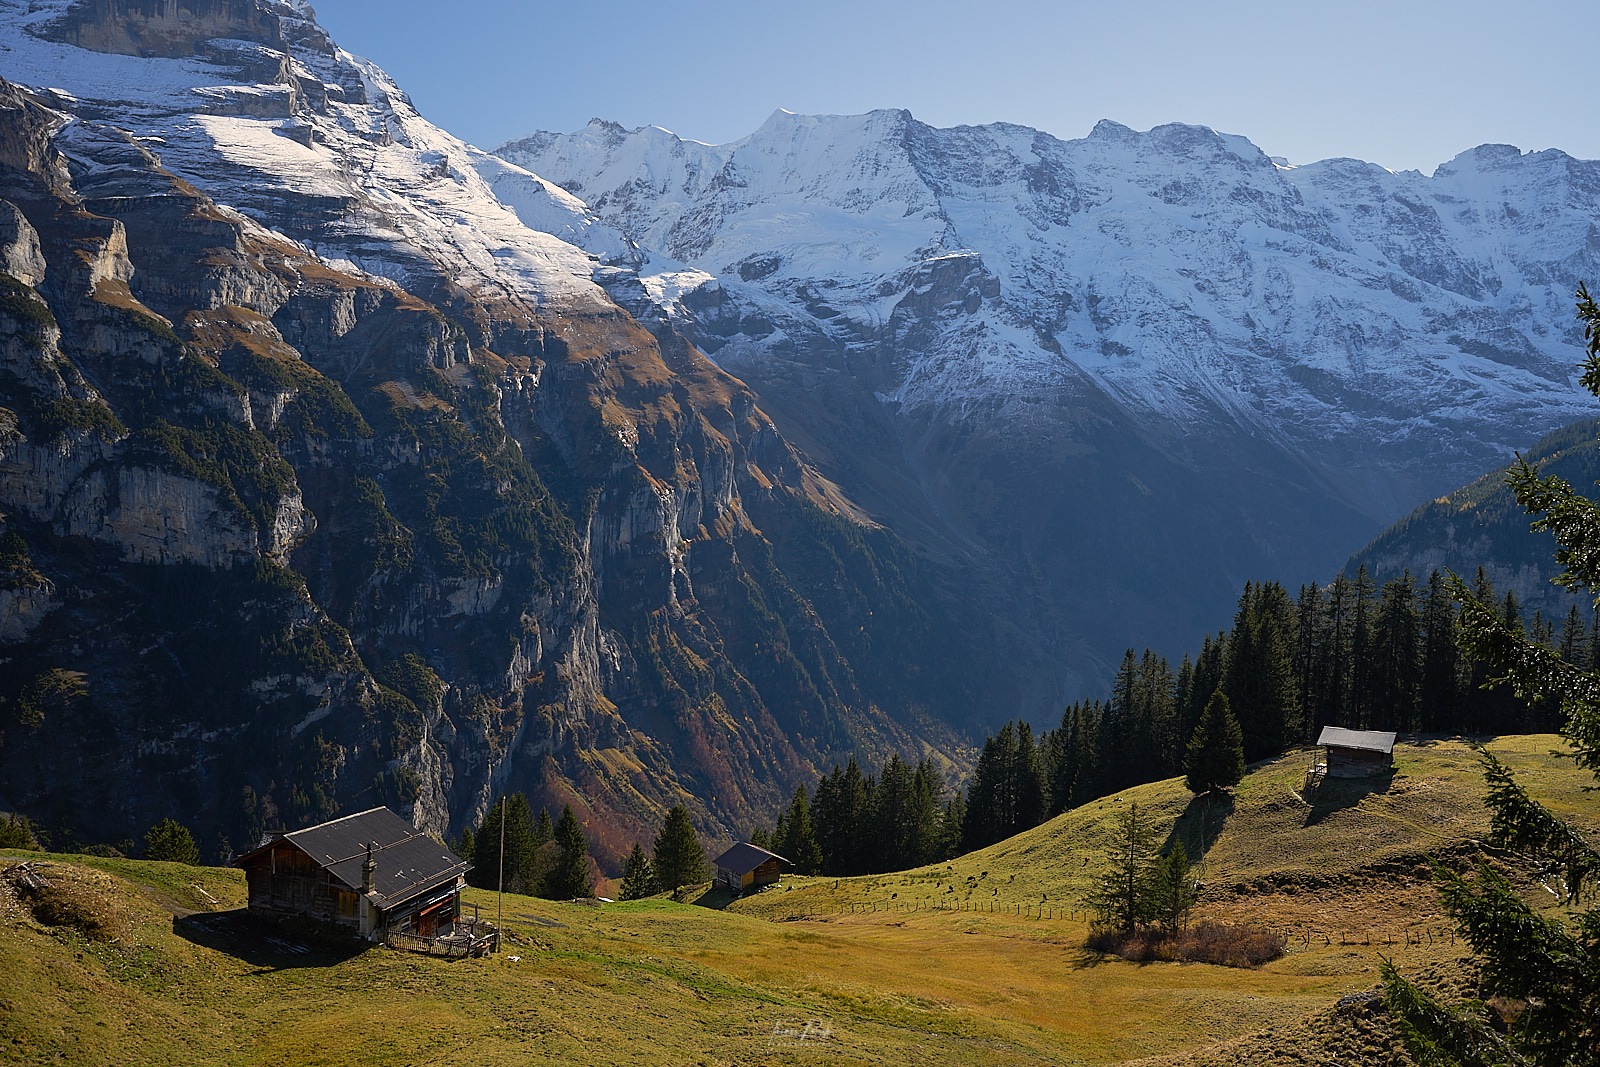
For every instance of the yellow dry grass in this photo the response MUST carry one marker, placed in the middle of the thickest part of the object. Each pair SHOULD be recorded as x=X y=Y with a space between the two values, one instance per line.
x=655 y=982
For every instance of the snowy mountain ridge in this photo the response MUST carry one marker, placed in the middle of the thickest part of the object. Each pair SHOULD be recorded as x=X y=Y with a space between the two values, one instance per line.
x=233 y=118
x=1086 y=387
x=1415 y=328
x=343 y=415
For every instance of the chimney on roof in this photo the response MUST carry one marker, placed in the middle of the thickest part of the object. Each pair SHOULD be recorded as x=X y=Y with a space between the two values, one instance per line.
x=369 y=871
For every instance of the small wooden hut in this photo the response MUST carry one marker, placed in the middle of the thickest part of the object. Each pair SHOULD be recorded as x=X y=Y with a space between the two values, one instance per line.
x=747 y=866
x=373 y=871
x=1355 y=753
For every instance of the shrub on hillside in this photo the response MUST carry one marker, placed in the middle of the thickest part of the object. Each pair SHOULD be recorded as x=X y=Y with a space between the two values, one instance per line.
x=171 y=840
x=72 y=898
x=1227 y=946
x=15 y=832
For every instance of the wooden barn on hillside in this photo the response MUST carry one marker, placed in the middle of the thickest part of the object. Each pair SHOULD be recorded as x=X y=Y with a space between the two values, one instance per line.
x=747 y=866
x=372 y=871
x=1355 y=753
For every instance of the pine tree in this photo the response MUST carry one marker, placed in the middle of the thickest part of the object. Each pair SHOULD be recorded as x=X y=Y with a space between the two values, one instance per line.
x=1334 y=682
x=1549 y=966
x=1157 y=719
x=1064 y=759
x=1182 y=697
x=1028 y=803
x=988 y=793
x=521 y=869
x=780 y=829
x=1541 y=630
x=891 y=816
x=1440 y=696
x=825 y=820
x=466 y=844
x=17 y=833
x=1259 y=677
x=1307 y=649
x=1087 y=784
x=570 y=878
x=170 y=840
x=1209 y=667
x=1574 y=636
x=1511 y=612
x=799 y=843
x=679 y=858
x=1593 y=662
x=927 y=829
x=1121 y=897
x=638 y=875
x=1172 y=889
x=839 y=816
x=955 y=814
x=1120 y=758
x=1215 y=756
x=1362 y=700
x=1397 y=657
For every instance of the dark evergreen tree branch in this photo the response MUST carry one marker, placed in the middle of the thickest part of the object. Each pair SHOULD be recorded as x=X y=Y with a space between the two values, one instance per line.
x=1533 y=672
x=1436 y=1036
x=1523 y=825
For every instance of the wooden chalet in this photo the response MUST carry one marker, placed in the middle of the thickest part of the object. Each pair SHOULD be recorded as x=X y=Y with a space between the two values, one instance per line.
x=747 y=866
x=372 y=871
x=1355 y=753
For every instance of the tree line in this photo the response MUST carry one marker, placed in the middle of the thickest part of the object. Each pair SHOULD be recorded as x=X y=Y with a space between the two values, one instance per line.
x=550 y=859
x=527 y=854
x=859 y=823
x=1348 y=654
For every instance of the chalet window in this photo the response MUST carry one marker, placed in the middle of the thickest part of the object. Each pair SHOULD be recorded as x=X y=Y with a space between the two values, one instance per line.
x=347 y=904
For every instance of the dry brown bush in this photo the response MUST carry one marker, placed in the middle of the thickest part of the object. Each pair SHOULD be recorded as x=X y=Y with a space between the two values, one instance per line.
x=1228 y=946
x=74 y=903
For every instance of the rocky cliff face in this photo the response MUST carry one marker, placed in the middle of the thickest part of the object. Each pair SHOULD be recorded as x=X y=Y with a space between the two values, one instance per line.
x=328 y=481
x=1114 y=377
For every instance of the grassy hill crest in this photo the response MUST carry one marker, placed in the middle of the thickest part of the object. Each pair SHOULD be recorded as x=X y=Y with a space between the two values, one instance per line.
x=173 y=974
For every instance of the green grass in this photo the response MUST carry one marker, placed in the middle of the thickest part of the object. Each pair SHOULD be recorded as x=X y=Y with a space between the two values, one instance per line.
x=1270 y=837
x=656 y=982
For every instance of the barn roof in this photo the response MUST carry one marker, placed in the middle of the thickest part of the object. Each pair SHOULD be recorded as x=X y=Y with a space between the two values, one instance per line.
x=744 y=857
x=1365 y=740
x=409 y=861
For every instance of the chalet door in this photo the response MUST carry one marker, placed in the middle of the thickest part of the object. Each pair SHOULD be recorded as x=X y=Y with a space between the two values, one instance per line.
x=428 y=921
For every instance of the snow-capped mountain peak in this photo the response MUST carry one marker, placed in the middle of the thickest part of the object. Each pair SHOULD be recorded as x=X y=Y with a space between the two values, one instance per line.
x=1415 y=327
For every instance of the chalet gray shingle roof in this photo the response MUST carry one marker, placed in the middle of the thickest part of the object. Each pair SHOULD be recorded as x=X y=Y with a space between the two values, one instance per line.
x=744 y=857
x=1366 y=740
x=409 y=861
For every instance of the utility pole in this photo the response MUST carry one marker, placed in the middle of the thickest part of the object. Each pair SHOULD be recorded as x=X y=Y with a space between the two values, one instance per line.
x=500 y=886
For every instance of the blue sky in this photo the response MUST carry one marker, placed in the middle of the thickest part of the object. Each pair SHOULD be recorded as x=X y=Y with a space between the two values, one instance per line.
x=1407 y=85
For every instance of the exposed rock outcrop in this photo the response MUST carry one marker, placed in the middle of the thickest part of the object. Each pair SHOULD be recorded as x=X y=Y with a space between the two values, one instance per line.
x=363 y=491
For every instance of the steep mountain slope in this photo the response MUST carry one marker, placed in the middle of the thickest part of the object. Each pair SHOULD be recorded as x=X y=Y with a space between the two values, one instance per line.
x=1481 y=524
x=326 y=480
x=1121 y=374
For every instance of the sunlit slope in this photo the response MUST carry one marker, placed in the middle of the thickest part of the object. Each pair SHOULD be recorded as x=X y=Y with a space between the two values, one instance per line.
x=177 y=977
x=650 y=982
x=1272 y=834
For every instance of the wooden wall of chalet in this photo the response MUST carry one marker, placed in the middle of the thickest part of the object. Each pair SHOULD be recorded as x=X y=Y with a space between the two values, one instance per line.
x=1356 y=762
x=284 y=880
x=766 y=874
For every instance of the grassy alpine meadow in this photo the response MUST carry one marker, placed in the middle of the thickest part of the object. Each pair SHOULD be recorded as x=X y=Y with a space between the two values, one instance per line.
x=152 y=963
